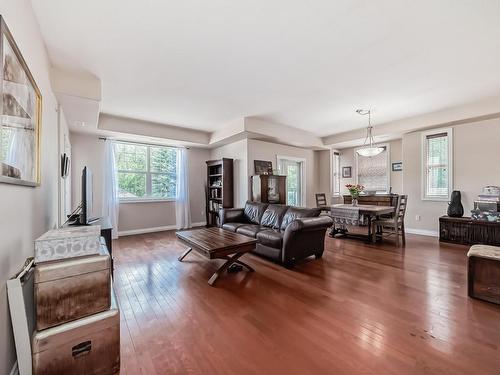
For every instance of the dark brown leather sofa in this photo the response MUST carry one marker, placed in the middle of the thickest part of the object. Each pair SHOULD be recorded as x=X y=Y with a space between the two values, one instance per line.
x=285 y=234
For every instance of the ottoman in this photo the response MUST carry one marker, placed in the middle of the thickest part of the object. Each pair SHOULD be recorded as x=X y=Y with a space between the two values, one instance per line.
x=483 y=278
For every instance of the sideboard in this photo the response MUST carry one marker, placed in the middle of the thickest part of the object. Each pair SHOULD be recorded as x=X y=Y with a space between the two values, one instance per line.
x=466 y=231
x=377 y=199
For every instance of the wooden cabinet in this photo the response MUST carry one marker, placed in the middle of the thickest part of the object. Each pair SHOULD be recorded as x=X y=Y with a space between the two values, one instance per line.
x=377 y=200
x=466 y=231
x=219 y=188
x=268 y=189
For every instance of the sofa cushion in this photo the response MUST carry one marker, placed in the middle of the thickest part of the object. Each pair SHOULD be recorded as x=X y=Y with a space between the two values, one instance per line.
x=315 y=212
x=294 y=213
x=254 y=210
x=232 y=226
x=271 y=238
x=273 y=215
x=249 y=230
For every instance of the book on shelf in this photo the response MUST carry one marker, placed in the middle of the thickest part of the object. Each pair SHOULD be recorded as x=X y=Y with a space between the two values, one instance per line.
x=214 y=206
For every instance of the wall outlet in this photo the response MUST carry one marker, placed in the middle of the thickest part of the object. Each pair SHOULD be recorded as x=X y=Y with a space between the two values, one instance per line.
x=417 y=217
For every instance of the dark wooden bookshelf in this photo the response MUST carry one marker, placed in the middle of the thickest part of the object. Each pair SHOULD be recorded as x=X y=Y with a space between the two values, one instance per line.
x=219 y=188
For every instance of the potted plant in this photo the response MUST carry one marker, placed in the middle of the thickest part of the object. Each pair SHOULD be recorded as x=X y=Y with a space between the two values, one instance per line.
x=354 y=191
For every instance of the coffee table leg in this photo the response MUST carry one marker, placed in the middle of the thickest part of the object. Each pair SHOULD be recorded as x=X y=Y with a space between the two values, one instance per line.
x=225 y=266
x=188 y=250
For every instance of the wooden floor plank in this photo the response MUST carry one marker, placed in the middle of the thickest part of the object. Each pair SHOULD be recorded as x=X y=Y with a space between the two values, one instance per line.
x=361 y=309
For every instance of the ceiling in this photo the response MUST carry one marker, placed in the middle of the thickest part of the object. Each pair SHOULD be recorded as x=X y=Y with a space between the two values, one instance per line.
x=202 y=64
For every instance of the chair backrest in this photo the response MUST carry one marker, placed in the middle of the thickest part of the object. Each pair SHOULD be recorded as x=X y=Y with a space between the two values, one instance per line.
x=321 y=200
x=401 y=208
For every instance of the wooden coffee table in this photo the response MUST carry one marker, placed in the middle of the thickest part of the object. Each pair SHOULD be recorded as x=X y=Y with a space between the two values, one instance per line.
x=217 y=243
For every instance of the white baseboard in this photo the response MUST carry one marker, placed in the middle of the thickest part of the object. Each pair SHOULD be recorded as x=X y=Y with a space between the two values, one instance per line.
x=155 y=229
x=200 y=224
x=423 y=232
x=145 y=230
x=15 y=369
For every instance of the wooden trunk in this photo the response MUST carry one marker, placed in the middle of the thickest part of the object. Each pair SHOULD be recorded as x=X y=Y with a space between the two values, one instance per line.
x=484 y=279
x=466 y=231
x=71 y=289
x=87 y=346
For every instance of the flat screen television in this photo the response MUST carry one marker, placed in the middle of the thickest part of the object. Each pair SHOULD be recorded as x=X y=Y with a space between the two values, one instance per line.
x=87 y=197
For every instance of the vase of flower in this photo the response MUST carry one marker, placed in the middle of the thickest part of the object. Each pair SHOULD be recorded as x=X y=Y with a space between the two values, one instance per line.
x=354 y=191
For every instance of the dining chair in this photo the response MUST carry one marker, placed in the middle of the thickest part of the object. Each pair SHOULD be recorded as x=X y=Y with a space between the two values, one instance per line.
x=321 y=202
x=394 y=225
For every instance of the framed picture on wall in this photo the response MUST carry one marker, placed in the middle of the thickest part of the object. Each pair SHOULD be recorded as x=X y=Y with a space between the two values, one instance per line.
x=263 y=167
x=397 y=167
x=346 y=172
x=21 y=116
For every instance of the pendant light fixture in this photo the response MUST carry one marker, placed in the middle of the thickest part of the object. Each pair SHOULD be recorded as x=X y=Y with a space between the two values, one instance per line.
x=368 y=148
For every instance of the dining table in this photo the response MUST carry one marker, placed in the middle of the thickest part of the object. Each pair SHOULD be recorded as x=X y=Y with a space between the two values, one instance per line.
x=370 y=211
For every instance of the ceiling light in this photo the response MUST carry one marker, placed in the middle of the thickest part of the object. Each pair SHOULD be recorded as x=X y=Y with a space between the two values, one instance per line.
x=368 y=148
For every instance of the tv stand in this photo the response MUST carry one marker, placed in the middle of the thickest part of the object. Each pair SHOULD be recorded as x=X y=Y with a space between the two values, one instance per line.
x=106 y=229
x=93 y=221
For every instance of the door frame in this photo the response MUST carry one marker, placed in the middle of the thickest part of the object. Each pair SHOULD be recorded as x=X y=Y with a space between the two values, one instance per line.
x=302 y=162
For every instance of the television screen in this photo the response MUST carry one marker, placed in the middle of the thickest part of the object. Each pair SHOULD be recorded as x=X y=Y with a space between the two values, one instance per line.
x=87 y=198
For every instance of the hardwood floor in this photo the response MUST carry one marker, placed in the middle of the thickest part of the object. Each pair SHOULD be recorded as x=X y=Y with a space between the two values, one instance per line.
x=361 y=309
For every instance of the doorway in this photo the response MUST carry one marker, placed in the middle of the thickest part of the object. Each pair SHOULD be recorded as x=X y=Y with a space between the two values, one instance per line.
x=294 y=169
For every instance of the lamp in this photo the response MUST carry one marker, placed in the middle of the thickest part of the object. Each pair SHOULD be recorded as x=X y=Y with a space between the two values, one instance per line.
x=368 y=148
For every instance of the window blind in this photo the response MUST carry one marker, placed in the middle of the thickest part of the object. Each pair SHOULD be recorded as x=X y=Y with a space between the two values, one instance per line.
x=372 y=171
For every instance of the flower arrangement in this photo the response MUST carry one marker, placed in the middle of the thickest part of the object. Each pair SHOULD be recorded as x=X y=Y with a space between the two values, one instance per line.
x=354 y=190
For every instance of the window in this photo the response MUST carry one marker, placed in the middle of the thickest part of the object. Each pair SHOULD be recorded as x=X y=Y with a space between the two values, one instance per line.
x=293 y=168
x=373 y=172
x=436 y=164
x=146 y=172
x=336 y=174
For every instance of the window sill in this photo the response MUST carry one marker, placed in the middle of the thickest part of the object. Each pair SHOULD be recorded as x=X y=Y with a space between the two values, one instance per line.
x=436 y=199
x=152 y=200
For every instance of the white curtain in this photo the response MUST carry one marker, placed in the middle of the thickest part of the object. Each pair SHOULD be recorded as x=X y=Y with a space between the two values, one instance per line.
x=182 y=208
x=110 y=202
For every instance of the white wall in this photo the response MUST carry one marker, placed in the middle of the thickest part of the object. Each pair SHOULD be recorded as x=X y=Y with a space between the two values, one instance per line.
x=245 y=151
x=88 y=150
x=475 y=160
x=324 y=172
x=238 y=151
x=347 y=159
x=260 y=150
x=65 y=193
x=27 y=212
